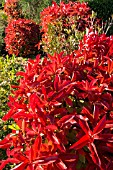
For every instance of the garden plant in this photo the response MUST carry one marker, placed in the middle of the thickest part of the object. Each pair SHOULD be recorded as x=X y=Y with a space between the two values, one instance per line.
x=22 y=37
x=63 y=25
x=59 y=114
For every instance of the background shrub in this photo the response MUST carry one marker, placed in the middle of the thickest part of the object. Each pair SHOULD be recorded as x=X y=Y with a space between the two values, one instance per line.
x=62 y=109
x=22 y=36
x=104 y=10
x=3 y=23
x=64 y=25
x=31 y=8
x=12 y=9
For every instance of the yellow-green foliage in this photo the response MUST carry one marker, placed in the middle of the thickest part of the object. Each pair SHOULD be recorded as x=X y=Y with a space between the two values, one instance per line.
x=8 y=68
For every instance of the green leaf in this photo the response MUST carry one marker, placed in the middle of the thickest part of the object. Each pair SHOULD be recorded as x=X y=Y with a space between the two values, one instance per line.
x=82 y=158
x=14 y=127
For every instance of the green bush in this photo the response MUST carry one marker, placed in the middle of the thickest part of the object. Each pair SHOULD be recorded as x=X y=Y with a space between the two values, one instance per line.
x=3 y=23
x=8 y=68
x=104 y=10
x=31 y=8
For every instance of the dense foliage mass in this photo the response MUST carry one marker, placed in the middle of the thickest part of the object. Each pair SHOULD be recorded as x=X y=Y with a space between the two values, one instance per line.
x=22 y=36
x=63 y=110
x=60 y=109
x=8 y=68
x=31 y=8
x=64 y=25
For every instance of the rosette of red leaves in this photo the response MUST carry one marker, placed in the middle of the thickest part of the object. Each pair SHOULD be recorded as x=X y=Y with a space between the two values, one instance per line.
x=63 y=111
x=22 y=36
x=12 y=9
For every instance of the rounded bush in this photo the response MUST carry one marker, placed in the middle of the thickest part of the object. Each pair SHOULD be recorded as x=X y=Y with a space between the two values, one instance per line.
x=63 y=110
x=22 y=36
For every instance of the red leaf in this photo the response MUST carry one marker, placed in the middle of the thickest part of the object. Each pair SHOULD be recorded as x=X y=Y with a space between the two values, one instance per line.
x=9 y=160
x=8 y=115
x=51 y=127
x=69 y=101
x=80 y=143
x=86 y=112
x=5 y=146
x=85 y=127
x=55 y=103
x=44 y=92
x=20 y=73
x=21 y=157
x=20 y=166
x=46 y=160
x=100 y=126
x=96 y=112
x=37 y=145
x=56 y=82
x=55 y=140
x=68 y=157
x=61 y=165
x=65 y=119
x=94 y=155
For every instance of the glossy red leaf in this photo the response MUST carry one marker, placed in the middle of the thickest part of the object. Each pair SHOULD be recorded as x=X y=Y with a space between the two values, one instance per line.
x=81 y=142
x=65 y=119
x=69 y=157
x=85 y=127
x=37 y=146
x=100 y=126
x=87 y=112
x=57 y=81
x=69 y=101
x=94 y=154
x=46 y=160
x=21 y=157
x=61 y=165
x=20 y=166
x=9 y=160
x=51 y=127
x=8 y=115
x=96 y=112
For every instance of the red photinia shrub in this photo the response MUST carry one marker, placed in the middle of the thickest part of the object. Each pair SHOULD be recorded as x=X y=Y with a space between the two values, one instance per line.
x=64 y=25
x=12 y=9
x=63 y=110
x=22 y=36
